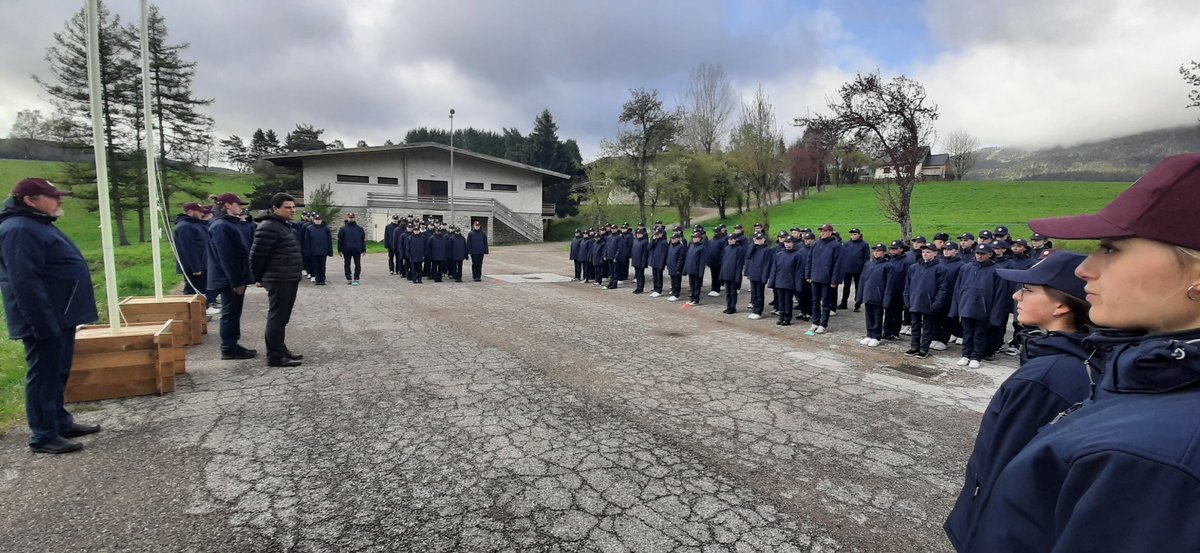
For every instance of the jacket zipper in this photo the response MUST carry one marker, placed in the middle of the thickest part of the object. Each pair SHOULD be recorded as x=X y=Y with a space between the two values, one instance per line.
x=71 y=299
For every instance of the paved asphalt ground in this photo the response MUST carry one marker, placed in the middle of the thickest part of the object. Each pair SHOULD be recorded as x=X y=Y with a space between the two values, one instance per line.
x=515 y=414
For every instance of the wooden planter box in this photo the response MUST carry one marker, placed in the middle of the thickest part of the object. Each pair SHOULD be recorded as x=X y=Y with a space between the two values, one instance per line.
x=137 y=360
x=187 y=311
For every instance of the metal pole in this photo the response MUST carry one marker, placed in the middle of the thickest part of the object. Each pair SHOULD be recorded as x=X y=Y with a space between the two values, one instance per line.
x=151 y=166
x=96 y=91
x=451 y=166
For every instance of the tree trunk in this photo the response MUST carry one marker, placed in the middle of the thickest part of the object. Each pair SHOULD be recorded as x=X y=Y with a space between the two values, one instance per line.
x=141 y=220
x=641 y=196
x=721 y=208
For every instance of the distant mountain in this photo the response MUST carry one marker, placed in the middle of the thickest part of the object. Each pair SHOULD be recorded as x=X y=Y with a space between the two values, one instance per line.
x=1121 y=159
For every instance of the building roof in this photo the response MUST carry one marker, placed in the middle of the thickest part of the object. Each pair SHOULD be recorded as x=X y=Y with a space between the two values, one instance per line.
x=936 y=160
x=293 y=158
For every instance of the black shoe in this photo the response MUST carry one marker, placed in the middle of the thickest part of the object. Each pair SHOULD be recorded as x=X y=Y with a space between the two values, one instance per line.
x=786 y=323
x=843 y=307
x=923 y=354
x=295 y=356
x=728 y=311
x=780 y=323
x=637 y=291
x=857 y=308
x=285 y=362
x=240 y=353
x=321 y=283
x=891 y=337
x=76 y=430
x=991 y=357
x=56 y=446
x=912 y=352
x=476 y=279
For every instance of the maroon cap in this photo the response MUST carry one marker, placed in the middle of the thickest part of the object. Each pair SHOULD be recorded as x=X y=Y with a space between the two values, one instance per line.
x=1160 y=206
x=826 y=227
x=191 y=206
x=230 y=198
x=38 y=187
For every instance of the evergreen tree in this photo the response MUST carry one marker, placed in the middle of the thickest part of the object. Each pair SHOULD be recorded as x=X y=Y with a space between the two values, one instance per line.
x=304 y=138
x=271 y=142
x=233 y=150
x=258 y=145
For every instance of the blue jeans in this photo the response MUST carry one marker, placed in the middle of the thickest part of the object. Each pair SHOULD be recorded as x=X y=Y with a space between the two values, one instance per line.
x=231 y=318
x=49 y=362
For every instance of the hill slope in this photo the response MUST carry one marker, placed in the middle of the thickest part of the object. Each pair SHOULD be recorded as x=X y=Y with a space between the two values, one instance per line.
x=1121 y=159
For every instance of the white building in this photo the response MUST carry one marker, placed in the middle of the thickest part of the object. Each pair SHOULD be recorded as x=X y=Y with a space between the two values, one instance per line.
x=414 y=180
x=934 y=166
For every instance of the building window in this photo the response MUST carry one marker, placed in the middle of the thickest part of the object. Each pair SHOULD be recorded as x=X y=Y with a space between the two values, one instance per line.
x=504 y=187
x=363 y=179
x=388 y=180
x=887 y=170
x=474 y=186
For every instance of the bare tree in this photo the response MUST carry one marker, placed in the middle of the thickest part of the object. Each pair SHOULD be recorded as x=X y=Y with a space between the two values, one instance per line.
x=755 y=149
x=961 y=146
x=648 y=129
x=1192 y=77
x=708 y=101
x=892 y=121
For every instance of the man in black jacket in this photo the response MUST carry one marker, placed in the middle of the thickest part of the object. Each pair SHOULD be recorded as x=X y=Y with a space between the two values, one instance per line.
x=477 y=247
x=276 y=262
x=352 y=242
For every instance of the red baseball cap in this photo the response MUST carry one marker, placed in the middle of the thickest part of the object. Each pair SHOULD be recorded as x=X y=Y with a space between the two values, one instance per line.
x=230 y=198
x=1160 y=206
x=191 y=206
x=38 y=187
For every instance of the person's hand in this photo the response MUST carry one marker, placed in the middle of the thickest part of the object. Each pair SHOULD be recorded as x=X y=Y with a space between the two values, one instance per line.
x=258 y=285
x=240 y=290
x=833 y=286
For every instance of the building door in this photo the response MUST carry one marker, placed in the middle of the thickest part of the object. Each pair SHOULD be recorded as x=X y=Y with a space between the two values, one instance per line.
x=432 y=188
x=379 y=223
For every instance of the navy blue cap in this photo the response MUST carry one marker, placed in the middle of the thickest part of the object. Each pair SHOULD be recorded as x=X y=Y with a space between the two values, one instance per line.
x=966 y=236
x=983 y=248
x=1020 y=241
x=809 y=236
x=760 y=236
x=985 y=234
x=1056 y=270
x=787 y=239
x=795 y=229
x=1001 y=230
x=855 y=231
x=950 y=246
x=880 y=247
x=1037 y=236
x=899 y=244
x=941 y=236
x=999 y=245
x=737 y=226
x=919 y=238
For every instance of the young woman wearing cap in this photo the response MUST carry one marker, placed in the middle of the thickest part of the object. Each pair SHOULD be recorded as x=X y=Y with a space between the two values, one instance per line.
x=1122 y=471
x=1052 y=378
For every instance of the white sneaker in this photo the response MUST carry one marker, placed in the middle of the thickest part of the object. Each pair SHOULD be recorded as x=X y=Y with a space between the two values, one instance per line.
x=754 y=317
x=714 y=293
x=906 y=330
x=873 y=343
x=1012 y=351
x=958 y=341
x=865 y=340
x=820 y=330
x=212 y=311
x=974 y=364
x=963 y=362
x=832 y=312
x=673 y=298
x=654 y=294
x=952 y=339
x=937 y=346
x=812 y=328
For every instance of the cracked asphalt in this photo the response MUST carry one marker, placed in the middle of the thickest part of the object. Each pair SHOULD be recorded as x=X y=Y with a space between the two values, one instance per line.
x=531 y=416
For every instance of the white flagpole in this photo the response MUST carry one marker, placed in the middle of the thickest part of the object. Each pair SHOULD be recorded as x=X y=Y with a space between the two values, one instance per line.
x=151 y=169
x=106 y=239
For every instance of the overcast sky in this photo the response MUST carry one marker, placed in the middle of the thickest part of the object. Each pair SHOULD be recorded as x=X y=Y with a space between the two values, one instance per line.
x=1012 y=72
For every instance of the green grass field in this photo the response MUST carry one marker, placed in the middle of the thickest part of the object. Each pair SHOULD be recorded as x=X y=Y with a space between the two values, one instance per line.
x=564 y=229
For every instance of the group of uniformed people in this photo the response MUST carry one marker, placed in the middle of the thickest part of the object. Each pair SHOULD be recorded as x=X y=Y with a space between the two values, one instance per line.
x=418 y=249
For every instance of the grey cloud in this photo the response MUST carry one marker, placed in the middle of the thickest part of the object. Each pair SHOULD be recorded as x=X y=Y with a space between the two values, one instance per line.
x=965 y=22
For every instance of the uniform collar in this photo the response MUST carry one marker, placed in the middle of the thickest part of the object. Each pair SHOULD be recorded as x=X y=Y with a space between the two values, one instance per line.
x=1148 y=364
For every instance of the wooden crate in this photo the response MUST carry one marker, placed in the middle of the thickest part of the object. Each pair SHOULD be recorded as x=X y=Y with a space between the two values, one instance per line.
x=137 y=360
x=187 y=311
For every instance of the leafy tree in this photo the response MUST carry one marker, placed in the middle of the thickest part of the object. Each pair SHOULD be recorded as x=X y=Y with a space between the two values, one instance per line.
x=709 y=100
x=847 y=161
x=961 y=146
x=891 y=120
x=1192 y=77
x=29 y=125
x=234 y=151
x=647 y=130
x=321 y=201
x=361 y=144
x=389 y=142
x=755 y=150
x=335 y=145
x=272 y=179
x=304 y=138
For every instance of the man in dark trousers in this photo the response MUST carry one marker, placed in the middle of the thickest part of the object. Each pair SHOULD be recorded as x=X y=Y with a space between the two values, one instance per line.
x=639 y=256
x=855 y=254
x=439 y=250
x=229 y=271
x=416 y=254
x=477 y=247
x=276 y=262
x=318 y=242
x=713 y=249
x=575 y=255
x=458 y=253
x=352 y=242
x=47 y=292
x=657 y=260
x=390 y=235
x=733 y=263
x=191 y=242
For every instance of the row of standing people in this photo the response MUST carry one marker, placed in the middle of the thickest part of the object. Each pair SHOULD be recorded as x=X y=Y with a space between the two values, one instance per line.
x=419 y=249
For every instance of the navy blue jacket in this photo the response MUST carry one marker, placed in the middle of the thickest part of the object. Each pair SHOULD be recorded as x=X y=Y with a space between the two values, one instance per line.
x=318 y=240
x=1052 y=378
x=576 y=243
x=854 y=256
x=713 y=249
x=477 y=243
x=458 y=247
x=626 y=249
x=676 y=255
x=733 y=263
x=228 y=253
x=823 y=261
x=1118 y=474
x=298 y=231
x=585 y=250
x=389 y=236
x=693 y=265
x=246 y=230
x=873 y=283
x=658 y=253
x=785 y=270
x=949 y=267
x=191 y=241
x=976 y=290
x=416 y=246
x=760 y=263
x=352 y=239
x=639 y=254
x=439 y=247
x=897 y=277
x=45 y=280
x=924 y=282
x=598 y=249
x=612 y=245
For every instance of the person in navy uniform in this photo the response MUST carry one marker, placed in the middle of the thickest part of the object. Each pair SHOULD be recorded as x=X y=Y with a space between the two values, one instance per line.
x=574 y=255
x=477 y=248
x=821 y=270
x=733 y=263
x=926 y=294
x=966 y=245
x=676 y=257
x=458 y=253
x=712 y=258
x=786 y=272
x=439 y=253
x=612 y=246
x=625 y=251
x=639 y=256
x=1038 y=244
x=870 y=291
x=804 y=240
x=893 y=292
x=318 y=242
x=416 y=254
x=976 y=295
x=229 y=271
x=599 y=261
x=389 y=242
x=693 y=267
x=191 y=243
x=48 y=292
x=1019 y=259
x=1118 y=472
x=1049 y=381
x=760 y=264
x=585 y=256
x=351 y=243
x=947 y=327
x=659 y=247
x=854 y=256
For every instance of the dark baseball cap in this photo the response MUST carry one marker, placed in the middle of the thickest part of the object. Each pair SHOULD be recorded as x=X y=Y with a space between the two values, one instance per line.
x=1037 y=236
x=38 y=187
x=983 y=248
x=1056 y=270
x=1020 y=241
x=781 y=234
x=230 y=198
x=985 y=233
x=737 y=226
x=941 y=236
x=1001 y=230
x=899 y=244
x=760 y=236
x=920 y=238
x=855 y=231
x=880 y=247
x=795 y=229
x=966 y=236
x=826 y=226
x=999 y=245
x=1160 y=206
x=788 y=239
x=925 y=247
x=950 y=246
x=809 y=236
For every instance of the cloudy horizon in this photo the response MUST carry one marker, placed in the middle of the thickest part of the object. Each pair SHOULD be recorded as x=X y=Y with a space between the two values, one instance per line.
x=1024 y=73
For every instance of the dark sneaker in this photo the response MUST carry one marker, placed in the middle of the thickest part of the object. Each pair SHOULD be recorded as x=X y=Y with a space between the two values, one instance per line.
x=76 y=430
x=288 y=353
x=285 y=362
x=911 y=352
x=991 y=357
x=922 y=354
x=786 y=323
x=241 y=353
x=56 y=446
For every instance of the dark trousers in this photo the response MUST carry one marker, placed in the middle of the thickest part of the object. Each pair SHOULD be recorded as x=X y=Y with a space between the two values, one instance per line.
x=600 y=270
x=656 y=280
x=947 y=326
x=715 y=274
x=804 y=298
x=281 y=298
x=477 y=266
x=231 y=318
x=923 y=330
x=906 y=317
x=785 y=304
x=891 y=320
x=392 y=260
x=851 y=278
x=975 y=338
x=414 y=272
x=695 y=283
x=822 y=302
x=614 y=272
x=639 y=279
x=201 y=282
x=456 y=270
x=624 y=263
x=731 y=293
x=874 y=317
x=757 y=296
x=995 y=339
x=587 y=271
x=357 y=258
x=676 y=285
x=578 y=270
x=401 y=265
x=49 y=367
x=317 y=263
x=437 y=270
x=304 y=258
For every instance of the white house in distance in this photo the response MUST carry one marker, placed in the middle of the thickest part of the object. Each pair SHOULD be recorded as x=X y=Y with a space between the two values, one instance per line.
x=414 y=180
x=935 y=166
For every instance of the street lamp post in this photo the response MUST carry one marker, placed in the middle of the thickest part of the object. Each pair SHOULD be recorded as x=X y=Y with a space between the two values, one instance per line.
x=452 y=166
